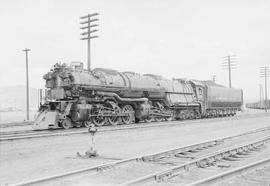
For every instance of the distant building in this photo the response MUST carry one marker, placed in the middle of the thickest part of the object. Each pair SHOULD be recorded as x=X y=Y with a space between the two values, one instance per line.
x=259 y=105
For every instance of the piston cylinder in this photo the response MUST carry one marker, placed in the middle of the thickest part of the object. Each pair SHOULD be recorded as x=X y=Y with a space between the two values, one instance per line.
x=80 y=112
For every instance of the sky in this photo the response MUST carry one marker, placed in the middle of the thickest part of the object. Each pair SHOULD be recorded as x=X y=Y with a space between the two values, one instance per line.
x=172 y=38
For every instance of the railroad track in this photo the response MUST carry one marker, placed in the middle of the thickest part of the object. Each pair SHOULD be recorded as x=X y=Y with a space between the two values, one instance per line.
x=16 y=124
x=208 y=160
x=28 y=134
x=232 y=173
x=26 y=123
x=139 y=170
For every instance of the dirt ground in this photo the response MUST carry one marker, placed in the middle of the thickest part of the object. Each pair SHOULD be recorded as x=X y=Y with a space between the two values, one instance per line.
x=259 y=177
x=33 y=158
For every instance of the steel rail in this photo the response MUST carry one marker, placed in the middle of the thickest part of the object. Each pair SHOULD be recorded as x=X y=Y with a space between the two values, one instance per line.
x=22 y=132
x=102 y=167
x=9 y=133
x=19 y=136
x=199 y=162
x=16 y=124
x=98 y=168
x=26 y=123
x=230 y=173
x=7 y=137
x=7 y=125
x=13 y=134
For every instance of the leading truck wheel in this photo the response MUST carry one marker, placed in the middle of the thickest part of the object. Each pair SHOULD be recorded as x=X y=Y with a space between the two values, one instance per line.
x=129 y=111
x=66 y=123
x=87 y=124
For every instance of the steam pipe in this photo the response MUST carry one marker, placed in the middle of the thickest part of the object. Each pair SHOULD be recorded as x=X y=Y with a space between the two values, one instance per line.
x=121 y=99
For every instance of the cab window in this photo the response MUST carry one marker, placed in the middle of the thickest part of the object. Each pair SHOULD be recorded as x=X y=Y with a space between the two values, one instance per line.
x=200 y=91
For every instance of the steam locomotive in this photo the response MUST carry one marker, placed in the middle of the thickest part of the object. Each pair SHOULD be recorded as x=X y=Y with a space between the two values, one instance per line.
x=77 y=97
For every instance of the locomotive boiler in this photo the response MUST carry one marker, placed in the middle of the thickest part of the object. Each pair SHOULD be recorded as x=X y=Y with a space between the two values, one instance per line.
x=76 y=97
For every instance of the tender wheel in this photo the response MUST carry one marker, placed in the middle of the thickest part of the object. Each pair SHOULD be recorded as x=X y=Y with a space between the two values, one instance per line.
x=182 y=115
x=213 y=113
x=66 y=123
x=171 y=117
x=130 y=114
x=223 y=113
x=198 y=115
x=99 y=120
x=192 y=115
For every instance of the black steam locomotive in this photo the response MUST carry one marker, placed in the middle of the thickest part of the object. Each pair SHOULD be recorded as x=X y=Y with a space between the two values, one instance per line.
x=77 y=97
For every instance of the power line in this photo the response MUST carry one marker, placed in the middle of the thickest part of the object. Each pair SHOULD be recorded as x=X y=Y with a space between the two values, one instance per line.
x=88 y=26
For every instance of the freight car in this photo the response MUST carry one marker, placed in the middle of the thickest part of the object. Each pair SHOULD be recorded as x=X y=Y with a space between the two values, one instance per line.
x=77 y=97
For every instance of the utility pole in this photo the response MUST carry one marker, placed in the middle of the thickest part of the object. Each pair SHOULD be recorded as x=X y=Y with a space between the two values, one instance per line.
x=87 y=26
x=229 y=63
x=261 y=95
x=40 y=97
x=26 y=50
x=214 y=78
x=265 y=72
